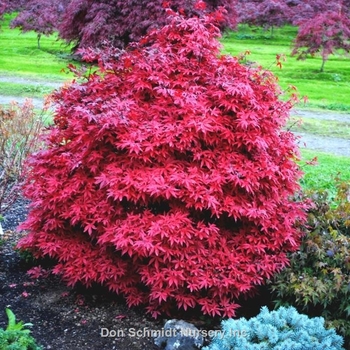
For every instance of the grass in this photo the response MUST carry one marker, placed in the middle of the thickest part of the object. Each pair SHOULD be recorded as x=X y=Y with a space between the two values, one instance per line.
x=322 y=175
x=327 y=90
x=21 y=57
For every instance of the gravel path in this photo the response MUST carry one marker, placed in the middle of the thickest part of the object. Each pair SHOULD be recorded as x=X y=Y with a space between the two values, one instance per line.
x=324 y=115
x=37 y=102
x=337 y=146
x=334 y=145
x=24 y=81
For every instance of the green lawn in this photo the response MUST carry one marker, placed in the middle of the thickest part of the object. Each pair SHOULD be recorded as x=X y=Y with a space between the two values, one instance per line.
x=322 y=175
x=21 y=57
x=329 y=90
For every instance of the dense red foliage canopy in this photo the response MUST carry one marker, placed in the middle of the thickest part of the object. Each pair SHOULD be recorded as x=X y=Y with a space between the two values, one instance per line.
x=167 y=176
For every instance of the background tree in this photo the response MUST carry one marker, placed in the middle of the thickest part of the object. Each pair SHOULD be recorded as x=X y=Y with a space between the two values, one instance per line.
x=42 y=17
x=3 y=7
x=265 y=13
x=346 y=7
x=269 y=13
x=89 y=23
x=327 y=33
x=302 y=11
x=14 y=5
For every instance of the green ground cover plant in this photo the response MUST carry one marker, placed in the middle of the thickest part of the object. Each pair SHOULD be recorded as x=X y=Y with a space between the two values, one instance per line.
x=327 y=90
x=17 y=336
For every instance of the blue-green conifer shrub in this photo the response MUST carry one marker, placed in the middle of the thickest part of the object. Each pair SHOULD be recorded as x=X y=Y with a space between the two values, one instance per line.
x=282 y=329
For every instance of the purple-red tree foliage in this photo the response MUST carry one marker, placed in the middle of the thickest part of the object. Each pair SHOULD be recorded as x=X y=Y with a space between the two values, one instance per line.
x=274 y=13
x=265 y=13
x=10 y=5
x=167 y=176
x=42 y=17
x=305 y=10
x=327 y=33
x=90 y=23
x=2 y=8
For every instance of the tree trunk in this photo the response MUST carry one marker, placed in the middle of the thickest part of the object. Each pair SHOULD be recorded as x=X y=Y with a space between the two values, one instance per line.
x=322 y=65
x=39 y=37
x=1 y=231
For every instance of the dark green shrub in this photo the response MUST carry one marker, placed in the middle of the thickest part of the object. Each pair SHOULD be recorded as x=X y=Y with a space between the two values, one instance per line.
x=318 y=278
x=15 y=336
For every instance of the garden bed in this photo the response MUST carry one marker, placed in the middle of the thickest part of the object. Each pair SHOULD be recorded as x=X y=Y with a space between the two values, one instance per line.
x=72 y=318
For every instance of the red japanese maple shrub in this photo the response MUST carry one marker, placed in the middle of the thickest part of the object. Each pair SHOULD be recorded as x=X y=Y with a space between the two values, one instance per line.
x=167 y=176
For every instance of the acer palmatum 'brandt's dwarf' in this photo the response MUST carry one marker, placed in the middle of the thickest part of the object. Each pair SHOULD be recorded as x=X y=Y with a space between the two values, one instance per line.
x=167 y=176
